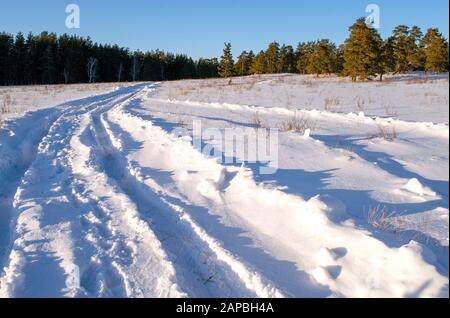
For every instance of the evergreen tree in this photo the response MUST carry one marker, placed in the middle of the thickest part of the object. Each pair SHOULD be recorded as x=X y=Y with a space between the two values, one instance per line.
x=18 y=58
x=48 y=66
x=304 y=50
x=244 y=63
x=272 y=56
x=207 y=68
x=322 y=59
x=402 y=48
x=416 y=50
x=362 y=51
x=436 y=51
x=387 y=57
x=226 y=65
x=339 y=67
x=259 y=64
x=286 y=61
x=30 y=62
x=6 y=49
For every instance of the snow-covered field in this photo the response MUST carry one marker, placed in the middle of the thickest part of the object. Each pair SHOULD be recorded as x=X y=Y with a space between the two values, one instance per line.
x=109 y=195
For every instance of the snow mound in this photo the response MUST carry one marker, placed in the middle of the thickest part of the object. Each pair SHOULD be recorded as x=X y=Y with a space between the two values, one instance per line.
x=416 y=187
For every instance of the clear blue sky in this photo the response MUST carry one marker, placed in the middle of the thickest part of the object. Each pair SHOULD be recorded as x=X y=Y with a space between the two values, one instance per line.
x=199 y=27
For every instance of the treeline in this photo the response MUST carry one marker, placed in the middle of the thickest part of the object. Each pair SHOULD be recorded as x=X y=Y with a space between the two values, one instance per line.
x=363 y=55
x=49 y=59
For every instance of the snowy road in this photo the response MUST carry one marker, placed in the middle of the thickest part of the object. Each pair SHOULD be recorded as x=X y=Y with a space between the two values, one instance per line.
x=103 y=201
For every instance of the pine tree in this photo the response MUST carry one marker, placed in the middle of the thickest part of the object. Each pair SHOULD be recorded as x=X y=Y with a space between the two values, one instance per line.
x=436 y=51
x=304 y=50
x=48 y=66
x=322 y=59
x=244 y=63
x=226 y=65
x=207 y=68
x=29 y=63
x=272 y=56
x=416 y=50
x=339 y=67
x=362 y=51
x=286 y=61
x=387 y=57
x=6 y=48
x=259 y=64
x=18 y=58
x=401 y=48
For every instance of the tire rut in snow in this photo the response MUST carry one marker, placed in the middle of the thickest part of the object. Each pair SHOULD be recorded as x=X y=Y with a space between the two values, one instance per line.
x=21 y=151
x=127 y=259
x=185 y=241
x=44 y=216
x=197 y=267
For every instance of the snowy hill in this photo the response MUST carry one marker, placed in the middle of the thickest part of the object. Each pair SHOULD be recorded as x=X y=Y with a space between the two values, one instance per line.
x=113 y=194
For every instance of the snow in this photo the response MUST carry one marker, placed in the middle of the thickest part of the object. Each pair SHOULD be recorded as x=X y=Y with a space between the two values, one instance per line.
x=27 y=98
x=415 y=186
x=110 y=196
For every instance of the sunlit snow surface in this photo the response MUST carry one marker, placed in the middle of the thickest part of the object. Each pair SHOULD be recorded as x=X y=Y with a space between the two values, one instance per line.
x=100 y=198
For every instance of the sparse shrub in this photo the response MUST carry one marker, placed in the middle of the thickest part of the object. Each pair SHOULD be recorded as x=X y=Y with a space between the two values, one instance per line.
x=5 y=107
x=331 y=102
x=382 y=219
x=257 y=121
x=308 y=83
x=361 y=104
x=422 y=80
x=389 y=110
x=385 y=132
x=392 y=222
x=296 y=123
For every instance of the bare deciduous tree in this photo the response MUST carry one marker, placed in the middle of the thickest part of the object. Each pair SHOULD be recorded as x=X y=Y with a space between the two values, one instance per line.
x=92 y=69
x=136 y=69
x=119 y=72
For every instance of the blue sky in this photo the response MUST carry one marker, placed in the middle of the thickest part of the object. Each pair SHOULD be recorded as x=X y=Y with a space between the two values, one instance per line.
x=199 y=27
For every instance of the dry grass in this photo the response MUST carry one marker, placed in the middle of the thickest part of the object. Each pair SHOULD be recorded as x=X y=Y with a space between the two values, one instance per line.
x=360 y=104
x=389 y=110
x=392 y=222
x=5 y=107
x=330 y=103
x=388 y=133
x=383 y=219
x=423 y=80
x=257 y=121
x=298 y=124
x=309 y=83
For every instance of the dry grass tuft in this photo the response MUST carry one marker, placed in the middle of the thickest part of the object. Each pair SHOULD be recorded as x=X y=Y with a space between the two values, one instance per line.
x=360 y=104
x=392 y=222
x=331 y=102
x=382 y=219
x=388 y=133
x=298 y=124
x=257 y=121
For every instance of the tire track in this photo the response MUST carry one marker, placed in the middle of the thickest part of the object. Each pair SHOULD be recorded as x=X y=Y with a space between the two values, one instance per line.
x=199 y=259
x=125 y=248
x=58 y=233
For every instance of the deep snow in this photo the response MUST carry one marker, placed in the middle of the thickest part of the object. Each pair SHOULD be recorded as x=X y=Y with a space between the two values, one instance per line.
x=101 y=199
